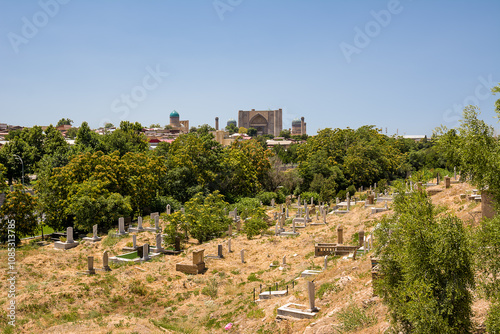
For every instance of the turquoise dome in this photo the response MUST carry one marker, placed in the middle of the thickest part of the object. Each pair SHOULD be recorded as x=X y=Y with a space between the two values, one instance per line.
x=296 y=122
x=174 y=114
x=231 y=121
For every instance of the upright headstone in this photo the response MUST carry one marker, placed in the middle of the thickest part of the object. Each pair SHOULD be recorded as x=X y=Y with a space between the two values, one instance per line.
x=69 y=235
x=94 y=232
x=298 y=201
x=121 y=226
x=293 y=225
x=287 y=213
x=438 y=179
x=326 y=262
x=310 y=289
x=230 y=230
x=139 y=224
x=105 y=264
x=447 y=182
x=238 y=225
x=455 y=173
x=145 y=252
x=168 y=209
x=134 y=241
x=312 y=200
x=361 y=237
x=272 y=202
x=157 y=222
x=348 y=199
x=90 y=263
x=307 y=216
x=219 y=251
x=284 y=260
x=337 y=200
x=242 y=253
x=340 y=235
x=229 y=246
x=158 y=242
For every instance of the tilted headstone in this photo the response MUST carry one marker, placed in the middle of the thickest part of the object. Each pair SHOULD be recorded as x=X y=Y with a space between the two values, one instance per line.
x=284 y=260
x=310 y=290
x=105 y=264
x=242 y=253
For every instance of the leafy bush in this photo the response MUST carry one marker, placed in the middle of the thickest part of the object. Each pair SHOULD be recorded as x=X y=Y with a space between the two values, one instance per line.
x=266 y=197
x=159 y=204
x=211 y=288
x=493 y=319
x=254 y=226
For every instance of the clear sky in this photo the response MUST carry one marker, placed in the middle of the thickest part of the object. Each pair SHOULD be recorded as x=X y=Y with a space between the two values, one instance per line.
x=402 y=65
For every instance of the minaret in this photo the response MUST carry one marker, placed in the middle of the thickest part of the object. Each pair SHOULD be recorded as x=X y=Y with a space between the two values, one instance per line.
x=302 y=126
x=216 y=123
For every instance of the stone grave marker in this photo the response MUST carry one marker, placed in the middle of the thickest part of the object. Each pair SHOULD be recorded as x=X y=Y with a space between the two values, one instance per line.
x=326 y=262
x=242 y=253
x=340 y=235
x=90 y=264
x=447 y=182
x=361 y=237
x=229 y=246
x=105 y=264
x=284 y=261
x=310 y=289
x=168 y=209
x=94 y=235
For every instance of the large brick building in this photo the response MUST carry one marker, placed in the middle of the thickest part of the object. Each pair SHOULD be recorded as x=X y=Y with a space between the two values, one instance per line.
x=265 y=121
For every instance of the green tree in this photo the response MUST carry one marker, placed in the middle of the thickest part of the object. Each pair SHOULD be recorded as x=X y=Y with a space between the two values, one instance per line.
x=87 y=140
x=205 y=218
x=64 y=121
x=285 y=133
x=252 y=132
x=232 y=128
x=426 y=270
x=19 y=207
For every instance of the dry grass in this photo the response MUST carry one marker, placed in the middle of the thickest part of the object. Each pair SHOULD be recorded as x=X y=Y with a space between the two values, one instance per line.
x=153 y=298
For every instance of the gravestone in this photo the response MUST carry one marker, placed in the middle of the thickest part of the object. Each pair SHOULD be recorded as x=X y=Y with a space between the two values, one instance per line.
x=238 y=225
x=298 y=201
x=287 y=216
x=90 y=264
x=121 y=226
x=310 y=289
x=219 y=251
x=242 y=253
x=177 y=246
x=284 y=260
x=348 y=199
x=361 y=237
x=105 y=264
x=229 y=246
x=455 y=173
x=134 y=241
x=157 y=222
x=139 y=224
x=168 y=209
x=326 y=262
x=340 y=235
x=69 y=243
x=158 y=243
x=230 y=230
x=272 y=202
x=312 y=200
x=145 y=252
x=447 y=182
x=94 y=235
x=438 y=179
x=337 y=200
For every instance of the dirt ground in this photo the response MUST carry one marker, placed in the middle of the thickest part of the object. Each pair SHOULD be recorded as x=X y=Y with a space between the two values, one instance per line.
x=53 y=296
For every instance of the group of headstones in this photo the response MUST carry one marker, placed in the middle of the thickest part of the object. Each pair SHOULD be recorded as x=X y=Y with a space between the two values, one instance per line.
x=90 y=264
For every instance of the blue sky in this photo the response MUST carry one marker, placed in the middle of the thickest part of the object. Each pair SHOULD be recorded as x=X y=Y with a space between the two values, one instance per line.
x=407 y=66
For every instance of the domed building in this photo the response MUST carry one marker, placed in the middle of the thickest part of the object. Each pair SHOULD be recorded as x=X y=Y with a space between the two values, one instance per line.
x=298 y=127
x=231 y=121
x=176 y=124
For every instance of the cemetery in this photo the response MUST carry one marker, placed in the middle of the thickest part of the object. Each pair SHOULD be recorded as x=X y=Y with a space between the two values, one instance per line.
x=307 y=281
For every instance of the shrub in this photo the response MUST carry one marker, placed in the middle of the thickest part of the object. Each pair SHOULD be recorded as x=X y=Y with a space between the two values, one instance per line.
x=159 y=204
x=254 y=226
x=493 y=319
x=306 y=196
x=354 y=317
x=211 y=288
x=266 y=197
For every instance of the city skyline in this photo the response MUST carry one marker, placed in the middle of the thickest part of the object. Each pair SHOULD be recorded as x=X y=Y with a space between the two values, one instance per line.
x=402 y=65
